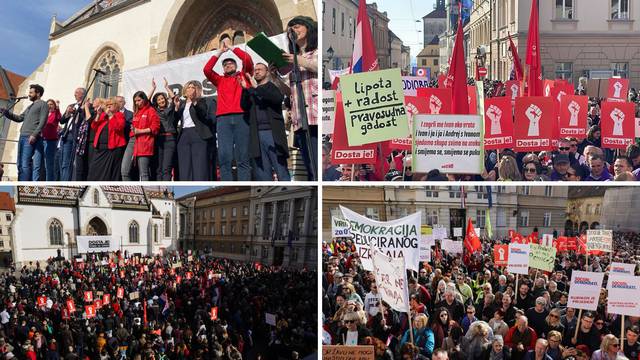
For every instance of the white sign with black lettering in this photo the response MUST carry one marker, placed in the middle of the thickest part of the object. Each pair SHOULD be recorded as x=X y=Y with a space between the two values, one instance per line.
x=94 y=244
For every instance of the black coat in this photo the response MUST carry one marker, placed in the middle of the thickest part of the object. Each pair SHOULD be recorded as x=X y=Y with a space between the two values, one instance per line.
x=199 y=116
x=267 y=98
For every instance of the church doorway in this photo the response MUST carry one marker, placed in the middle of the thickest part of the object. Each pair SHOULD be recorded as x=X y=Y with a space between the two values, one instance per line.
x=97 y=227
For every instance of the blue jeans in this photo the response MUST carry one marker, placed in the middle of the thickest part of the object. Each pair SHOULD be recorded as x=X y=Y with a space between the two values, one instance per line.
x=50 y=148
x=29 y=158
x=66 y=159
x=269 y=160
x=233 y=142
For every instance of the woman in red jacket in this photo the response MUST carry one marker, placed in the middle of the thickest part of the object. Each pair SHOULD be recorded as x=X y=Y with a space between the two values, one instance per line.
x=108 y=144
x=50 y=137
x=145 y=127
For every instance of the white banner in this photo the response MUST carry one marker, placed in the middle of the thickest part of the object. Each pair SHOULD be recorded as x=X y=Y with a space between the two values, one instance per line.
x=396 y=238
x=439 y=233
x=624 y=295
x=600 y=240
x=339 y=227
x=337 y=73
x=452 y=246
x=547 y=240
x=457 y=232
x=410 y=84
x=179 y=71
x=426 y=242
x=518 y=259
x=93 y=244
x=328 y=111
x=449 y=143
x=622 y=268
x=584 y=290
x=391 y=278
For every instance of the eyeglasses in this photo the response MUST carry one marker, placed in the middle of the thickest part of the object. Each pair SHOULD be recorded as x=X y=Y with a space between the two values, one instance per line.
x=615 y=345
x=349 y=321
x=470 y=312
x=443 y=315
x=599 y=323
x=530 y=170
x=564 y=148
x=553 y=316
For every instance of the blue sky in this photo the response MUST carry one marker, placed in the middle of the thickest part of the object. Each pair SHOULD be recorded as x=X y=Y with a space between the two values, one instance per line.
x=402 y=16
x=25 y=29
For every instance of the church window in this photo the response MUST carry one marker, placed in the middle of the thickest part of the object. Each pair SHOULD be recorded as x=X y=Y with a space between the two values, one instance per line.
x=134 y=233
x=55 y=232
x=167 y=225
x=106 y=85
x=96 y=197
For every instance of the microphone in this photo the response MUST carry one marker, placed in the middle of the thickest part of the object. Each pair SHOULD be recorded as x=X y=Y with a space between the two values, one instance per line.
x=100 y=71
x=292 y=34
x=19 y=98
x=105 y=83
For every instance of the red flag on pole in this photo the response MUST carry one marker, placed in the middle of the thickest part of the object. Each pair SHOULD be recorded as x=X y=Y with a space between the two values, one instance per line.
x=457 y=74
x=144 y=306
x=534 y=80
x=517 y=65
x=471 y=240
x=364 y=56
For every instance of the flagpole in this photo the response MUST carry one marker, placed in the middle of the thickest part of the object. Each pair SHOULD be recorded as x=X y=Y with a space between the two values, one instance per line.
x=410 y=326
x=622 y=334
x=575 y=335
x=515 y=300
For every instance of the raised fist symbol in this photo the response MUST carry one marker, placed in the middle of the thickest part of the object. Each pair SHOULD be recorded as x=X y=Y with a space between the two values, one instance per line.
x=534 y=114
x=515 y=89
x=412 y=111
x=617 y=87
x=574 y=109
x=495 y=114
x=618 y=118
x=435 y=104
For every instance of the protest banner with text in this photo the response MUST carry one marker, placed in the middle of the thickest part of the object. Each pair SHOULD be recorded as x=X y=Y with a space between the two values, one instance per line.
x=328 y=111
x=339 y=227
x=452 y=246
x=341 y=152
x=501 y=255
x=93 y=244
x=573 y=116
x=518 y=259
x=426 y=242
x=374 y=107
x=622 y=268
x=624 y=294
x=450 y=143
x=498 y=124
x=618 y=89
x=343 y=352
x=584 y=290
x=542 y=257
x=395 y=238
x=391 y=278
x=617 y=124
x=600 y=240
x=534 y=123
x=415 y=105
x=411 y=84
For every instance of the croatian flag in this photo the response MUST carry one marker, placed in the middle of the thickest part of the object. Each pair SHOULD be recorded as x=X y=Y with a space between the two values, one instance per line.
x=364 y=51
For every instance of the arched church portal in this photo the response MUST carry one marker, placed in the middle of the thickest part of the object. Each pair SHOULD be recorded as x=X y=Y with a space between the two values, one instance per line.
x=97 y=227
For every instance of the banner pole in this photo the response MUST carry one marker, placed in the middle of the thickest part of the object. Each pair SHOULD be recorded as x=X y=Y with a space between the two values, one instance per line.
x=622 y=334
x=575 y=335
x=515 y=300
x=410 y=326
x=353 y=166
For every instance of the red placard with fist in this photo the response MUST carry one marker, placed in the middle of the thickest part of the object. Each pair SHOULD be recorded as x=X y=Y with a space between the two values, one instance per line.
x=618 y=124
x=498 y=123
x=534 y=124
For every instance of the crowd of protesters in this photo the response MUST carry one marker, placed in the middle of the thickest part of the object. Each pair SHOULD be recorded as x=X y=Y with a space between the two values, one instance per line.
x=164 y=311
x=467 y=308
x=572 y=159
x=240 y=135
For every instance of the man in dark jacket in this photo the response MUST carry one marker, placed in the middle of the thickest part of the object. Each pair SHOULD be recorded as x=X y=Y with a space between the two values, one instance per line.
x=268 y=146
x=72 y=118
x=587 y=334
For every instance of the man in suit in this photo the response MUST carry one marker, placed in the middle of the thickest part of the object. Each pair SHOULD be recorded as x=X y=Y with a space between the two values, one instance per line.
x=72 y=118
x=127 y=159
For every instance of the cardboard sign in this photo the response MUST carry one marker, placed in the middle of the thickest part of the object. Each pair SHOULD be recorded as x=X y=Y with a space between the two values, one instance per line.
x=134 y=295
x=622 y=268
x=457 y=232
x=452 y=246
x=624 y=295
x=395 y=238
x=472 y=99
x=328 y=111
x=513 y=90
x=518 y=259
x=425 y=247
x=498 y=123
x=542 y=257
x=214 y=313
x=270 y=319
x=391 y=278
x=374 y=106
x=41 y=301
x=120 y=293
x=450 y=143
x=501 y=255
x=618 y=124
x=573 y=116
x=90 y=311
x=339 y=227
x=584 y=290
x=439 y=100
x=534 y=123
x=88 y=296
x=618 y=89
x=439 y=233
x=341 y=352
x=600 y=240
x=341 y=152
x=71 y=306
x=411 y=84
x=414 y=105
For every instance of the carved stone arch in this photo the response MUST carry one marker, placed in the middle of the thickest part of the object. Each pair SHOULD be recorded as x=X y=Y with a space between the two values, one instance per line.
x=97 y=226
x=100 y=50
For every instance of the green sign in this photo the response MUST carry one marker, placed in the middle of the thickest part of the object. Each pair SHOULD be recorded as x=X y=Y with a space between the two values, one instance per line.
x=374 y=107
x=542 y=257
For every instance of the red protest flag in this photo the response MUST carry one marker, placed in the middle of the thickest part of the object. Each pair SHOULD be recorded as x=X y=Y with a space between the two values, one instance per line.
x=561 y=243
x=517 y=65
x=471 y=240
x=617 y=124
x=534 y=124
x=214 y=313
x=341 y=152
x=90 y=311
x=573 y=116
x=364 y=56
x=498 y=124
x=144 y=312
x=572 y=243
x=42 y=300
x=534 y=80
x=88 y=296
x=517 y=238
x=442 y=81
x=457 y=74
x=439 y=100
x=472 y=99
x=618 y=89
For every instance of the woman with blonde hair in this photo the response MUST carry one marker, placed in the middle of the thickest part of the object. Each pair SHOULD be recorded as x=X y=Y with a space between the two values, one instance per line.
x=195 y=134
x=609 y=348
x=555 y=350
x=108 y=143
x=508 y=169
x=423 y=336
x=352 y=333
x=552 y=322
